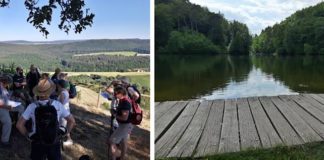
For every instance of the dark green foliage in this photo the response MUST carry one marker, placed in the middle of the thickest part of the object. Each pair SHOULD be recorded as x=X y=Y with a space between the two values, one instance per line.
x=180 y=22
x=8 y=69
x=72 y=14
x=108 y=63
x=241 y=40
x=302 y=33
x=190 y=43
x=75 y=47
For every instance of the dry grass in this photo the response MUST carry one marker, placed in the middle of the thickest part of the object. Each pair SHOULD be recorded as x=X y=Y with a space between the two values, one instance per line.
x=89 y=135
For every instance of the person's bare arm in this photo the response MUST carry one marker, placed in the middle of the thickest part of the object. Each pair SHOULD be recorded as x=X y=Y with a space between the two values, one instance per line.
x=123 y=116
x=133 y=93
x=24 y=83
x=70 y=123
x=61 y=99
x=21 y=126
x=1 y=103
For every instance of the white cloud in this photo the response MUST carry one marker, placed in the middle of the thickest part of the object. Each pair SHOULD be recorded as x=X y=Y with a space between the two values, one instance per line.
x=257 y=14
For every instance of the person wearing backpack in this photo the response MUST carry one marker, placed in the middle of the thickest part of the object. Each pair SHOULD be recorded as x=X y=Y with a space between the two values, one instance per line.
x=69 y=85
x=45 y=114
x=5 y=118
x=64 y=98
x=132 y=90
x=120 y=135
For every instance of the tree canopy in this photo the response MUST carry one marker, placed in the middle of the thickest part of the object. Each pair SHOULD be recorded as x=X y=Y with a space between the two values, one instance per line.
x=185 y=28
x=302 y=33
x=73 y=14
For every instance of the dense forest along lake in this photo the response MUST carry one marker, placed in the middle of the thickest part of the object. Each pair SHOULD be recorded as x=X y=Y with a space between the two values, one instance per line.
x=223 y=77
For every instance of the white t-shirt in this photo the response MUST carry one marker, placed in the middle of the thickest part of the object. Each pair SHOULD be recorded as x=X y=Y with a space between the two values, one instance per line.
x=66 y=101
x=30 y=112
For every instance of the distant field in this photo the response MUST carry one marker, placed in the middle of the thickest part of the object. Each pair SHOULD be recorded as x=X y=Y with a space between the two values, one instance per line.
x=123 y=53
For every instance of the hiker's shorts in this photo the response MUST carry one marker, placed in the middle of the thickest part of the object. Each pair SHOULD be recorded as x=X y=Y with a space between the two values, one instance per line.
x=121 y=133
x=39 y=151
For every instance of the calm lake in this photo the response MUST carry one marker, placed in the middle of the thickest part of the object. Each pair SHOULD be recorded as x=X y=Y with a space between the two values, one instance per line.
x=223 y=77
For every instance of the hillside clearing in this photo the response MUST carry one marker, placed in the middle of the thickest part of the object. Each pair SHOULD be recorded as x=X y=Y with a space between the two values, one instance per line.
x=89 y=135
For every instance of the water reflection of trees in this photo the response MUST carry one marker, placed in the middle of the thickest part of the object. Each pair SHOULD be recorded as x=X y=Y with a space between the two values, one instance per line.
x=299 y=73
x=187 y=77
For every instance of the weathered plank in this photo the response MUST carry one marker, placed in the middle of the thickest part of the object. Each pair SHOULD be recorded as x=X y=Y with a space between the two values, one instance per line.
x=285 y=131
x=162 y=124
x=163 y=108
x=188 y=142
x=209 y=141
x=248 y=133
x=308 y=107
x=169 y=139
x=267 y=133
x=306 y=116
x=318 y=98
x=306 y=133
x=210 y=127
x=312 y=101
x=229 y=141
x=321 y=95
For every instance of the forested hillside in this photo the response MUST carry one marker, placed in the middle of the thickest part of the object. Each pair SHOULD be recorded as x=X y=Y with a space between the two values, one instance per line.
x=50 y=55
x=185 y=28
x=300 y=34
x=75 y=47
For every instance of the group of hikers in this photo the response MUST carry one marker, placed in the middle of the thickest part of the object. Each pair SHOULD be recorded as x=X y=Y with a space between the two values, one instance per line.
x=41 y=106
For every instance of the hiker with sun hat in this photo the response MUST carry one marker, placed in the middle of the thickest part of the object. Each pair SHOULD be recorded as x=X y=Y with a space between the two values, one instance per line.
x=46 y=132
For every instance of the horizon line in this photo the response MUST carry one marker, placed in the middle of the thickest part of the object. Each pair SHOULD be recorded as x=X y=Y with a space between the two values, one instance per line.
x=74 y=39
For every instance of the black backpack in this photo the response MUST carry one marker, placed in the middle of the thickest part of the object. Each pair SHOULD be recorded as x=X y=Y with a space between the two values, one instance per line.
x=47 y=125
x=72 y=92
x=138 y=101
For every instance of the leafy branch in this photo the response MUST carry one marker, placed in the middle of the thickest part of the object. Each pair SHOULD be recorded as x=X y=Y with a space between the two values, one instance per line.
x=73 y=14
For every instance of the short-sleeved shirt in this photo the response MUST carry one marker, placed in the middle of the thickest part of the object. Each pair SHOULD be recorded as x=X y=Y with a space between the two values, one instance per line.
x=124 y=105
x=30 y=112
x=66 y=101
x=18 y=79
x=4 y=95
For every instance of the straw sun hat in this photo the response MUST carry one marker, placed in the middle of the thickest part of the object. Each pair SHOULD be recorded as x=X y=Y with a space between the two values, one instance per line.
x=44 y=88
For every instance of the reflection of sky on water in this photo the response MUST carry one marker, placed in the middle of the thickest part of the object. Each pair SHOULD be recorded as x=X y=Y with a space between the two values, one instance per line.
x=257 y=83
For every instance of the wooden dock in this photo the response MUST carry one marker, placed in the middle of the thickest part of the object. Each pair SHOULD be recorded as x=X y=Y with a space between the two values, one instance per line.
x=201 y=128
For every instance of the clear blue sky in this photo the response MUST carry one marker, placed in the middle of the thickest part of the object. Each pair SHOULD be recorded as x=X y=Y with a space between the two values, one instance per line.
x=257 y=14
x=113 y=19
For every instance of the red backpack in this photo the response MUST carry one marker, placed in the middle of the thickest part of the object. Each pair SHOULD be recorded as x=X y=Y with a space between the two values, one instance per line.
x=136 y=114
